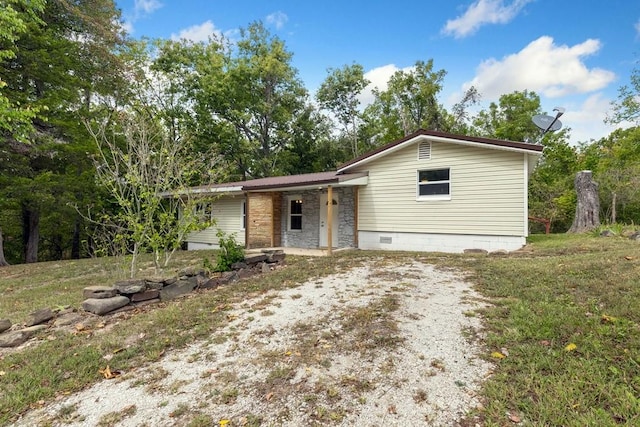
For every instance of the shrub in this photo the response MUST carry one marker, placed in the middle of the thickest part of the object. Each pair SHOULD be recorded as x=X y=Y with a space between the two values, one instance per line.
x=230 y=251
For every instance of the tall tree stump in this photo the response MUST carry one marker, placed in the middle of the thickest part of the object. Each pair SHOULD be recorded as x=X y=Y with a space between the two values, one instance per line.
x=3 y=261
x=588 y=209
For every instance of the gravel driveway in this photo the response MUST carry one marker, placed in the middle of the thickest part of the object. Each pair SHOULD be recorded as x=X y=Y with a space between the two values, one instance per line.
x=384 y=344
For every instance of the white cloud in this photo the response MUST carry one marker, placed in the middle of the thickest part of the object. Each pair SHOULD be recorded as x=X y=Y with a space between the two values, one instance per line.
x=277 y=19
x=483 y=12
x=197 y=33
x=145 y=7
x=379 y=79
x=637 y=27
x=586 y=120
x=127 y=26
x=550 y=70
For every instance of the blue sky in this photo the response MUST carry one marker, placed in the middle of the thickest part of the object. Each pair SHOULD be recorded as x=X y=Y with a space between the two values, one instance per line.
x=574 y=54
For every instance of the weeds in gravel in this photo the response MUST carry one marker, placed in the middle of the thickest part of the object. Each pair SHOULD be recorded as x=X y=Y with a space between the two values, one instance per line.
x=67 y=363
x=113 y=418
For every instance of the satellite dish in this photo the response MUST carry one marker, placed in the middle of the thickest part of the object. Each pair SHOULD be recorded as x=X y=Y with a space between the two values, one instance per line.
x=546 y=123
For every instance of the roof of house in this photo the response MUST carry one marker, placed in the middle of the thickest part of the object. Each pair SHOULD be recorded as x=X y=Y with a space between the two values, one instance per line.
x=422 y=134
x=279 y=182
x=339 y=177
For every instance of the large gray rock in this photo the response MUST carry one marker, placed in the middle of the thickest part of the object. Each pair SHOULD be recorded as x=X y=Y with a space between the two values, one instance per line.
x=102 y=306
x=475 y=251
x=181 y=287
x=211 y=283
x=33 y=329
x=238 y=265
x=146 y=295
x=4 y=325
x=277 y=256
x=67 y=319
x=40 y=316
x=131 y=286
x=155 y=283
x=13 y=339
x=99 y=292
x=190 y=271
x=254 y=259
x=635 y=236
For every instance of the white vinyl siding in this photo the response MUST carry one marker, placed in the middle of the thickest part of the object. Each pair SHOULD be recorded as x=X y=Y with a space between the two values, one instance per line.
x=487 y=188
x=227 y=214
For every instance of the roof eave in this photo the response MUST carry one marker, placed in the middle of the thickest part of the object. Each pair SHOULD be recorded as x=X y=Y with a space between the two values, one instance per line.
x=496 y=145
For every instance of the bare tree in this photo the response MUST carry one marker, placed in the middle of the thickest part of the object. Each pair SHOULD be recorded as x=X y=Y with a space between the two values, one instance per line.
x=147 y=171
x=588 y=208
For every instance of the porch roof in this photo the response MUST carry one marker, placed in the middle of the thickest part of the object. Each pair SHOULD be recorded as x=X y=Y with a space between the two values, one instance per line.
x=290 y=182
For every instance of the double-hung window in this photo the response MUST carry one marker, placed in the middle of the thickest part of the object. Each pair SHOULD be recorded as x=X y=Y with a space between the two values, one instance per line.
x=434 y=184
x=295 y=213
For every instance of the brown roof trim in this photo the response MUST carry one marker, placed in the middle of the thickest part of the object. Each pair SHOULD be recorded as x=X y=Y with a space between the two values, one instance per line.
x=279 y=182
x=535 y=148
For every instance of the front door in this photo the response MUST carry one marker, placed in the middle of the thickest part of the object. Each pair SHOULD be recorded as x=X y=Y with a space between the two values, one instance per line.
x=323 y=221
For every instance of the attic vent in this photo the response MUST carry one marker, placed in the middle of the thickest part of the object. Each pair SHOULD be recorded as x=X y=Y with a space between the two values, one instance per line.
x=424 y=151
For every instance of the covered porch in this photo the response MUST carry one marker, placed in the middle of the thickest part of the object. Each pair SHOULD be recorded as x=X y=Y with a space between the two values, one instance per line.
x=316 y=211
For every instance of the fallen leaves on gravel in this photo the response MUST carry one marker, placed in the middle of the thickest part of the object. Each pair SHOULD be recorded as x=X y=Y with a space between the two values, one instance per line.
x=108 y=374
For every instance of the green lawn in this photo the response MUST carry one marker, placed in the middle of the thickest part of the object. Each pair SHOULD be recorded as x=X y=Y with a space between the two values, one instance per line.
x=563 y=328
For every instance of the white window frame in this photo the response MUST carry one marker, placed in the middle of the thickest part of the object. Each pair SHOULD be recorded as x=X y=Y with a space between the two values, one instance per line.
x=243 y=215
x=202 y=209
x=433 y=196
x=289 y=214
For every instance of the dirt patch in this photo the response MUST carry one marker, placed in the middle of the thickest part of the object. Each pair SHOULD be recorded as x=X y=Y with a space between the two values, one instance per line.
x=385 y=344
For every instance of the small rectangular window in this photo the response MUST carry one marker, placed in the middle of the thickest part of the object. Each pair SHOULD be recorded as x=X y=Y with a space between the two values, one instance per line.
x=295 y=214
x=244 y=215
x=434 y=184
x=204 y=211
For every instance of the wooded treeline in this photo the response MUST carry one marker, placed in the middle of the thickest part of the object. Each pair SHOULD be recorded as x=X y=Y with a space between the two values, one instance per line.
x=71 y=80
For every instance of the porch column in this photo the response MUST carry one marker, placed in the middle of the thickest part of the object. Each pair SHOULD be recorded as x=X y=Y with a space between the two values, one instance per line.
x=329 y=219
x=246 y=221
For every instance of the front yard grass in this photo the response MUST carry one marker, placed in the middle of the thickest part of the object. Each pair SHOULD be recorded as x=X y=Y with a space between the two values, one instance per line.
x=566 y=318
x=562 y=329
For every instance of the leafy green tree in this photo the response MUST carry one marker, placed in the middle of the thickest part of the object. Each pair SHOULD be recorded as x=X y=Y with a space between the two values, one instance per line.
x=338 y=94
x=64 y=56
x=15 y=17
x=246 y=98
x=615 y=161
x=409 y=103
x=627 y=108
x=551 y=192
x=510 y=118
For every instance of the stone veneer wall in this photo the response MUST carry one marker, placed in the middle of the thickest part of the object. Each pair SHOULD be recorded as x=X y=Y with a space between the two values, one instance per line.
x=309 y=236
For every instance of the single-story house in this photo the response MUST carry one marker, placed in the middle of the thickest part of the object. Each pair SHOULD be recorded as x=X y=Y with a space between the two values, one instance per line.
x=429 y=191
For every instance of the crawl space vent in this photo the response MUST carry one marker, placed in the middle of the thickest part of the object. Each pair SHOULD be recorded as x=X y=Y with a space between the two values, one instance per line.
x=386 y=239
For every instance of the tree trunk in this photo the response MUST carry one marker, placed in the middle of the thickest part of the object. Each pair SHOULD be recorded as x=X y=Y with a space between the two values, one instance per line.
x=588 y=209
x=3 y=262
x=75 y=242
x=614 y=201
x=30 y=234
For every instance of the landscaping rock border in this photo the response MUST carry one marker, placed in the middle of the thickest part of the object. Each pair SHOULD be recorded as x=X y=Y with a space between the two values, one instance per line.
x=126 y=295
